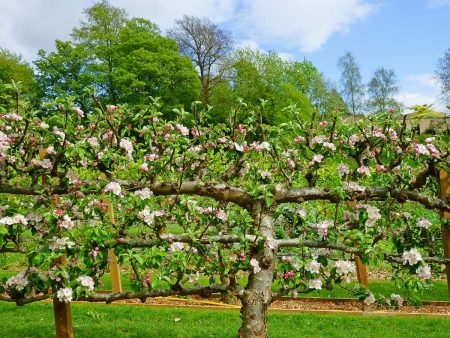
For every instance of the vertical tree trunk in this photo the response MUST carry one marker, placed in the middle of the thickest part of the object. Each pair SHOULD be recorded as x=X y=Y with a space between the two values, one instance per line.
x=258 y=293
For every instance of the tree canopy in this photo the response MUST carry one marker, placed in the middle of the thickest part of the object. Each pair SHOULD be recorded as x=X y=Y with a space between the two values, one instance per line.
x=124 y=60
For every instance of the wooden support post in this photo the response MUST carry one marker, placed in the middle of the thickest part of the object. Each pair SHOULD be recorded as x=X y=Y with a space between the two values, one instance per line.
x=114 y=268
x=61 y=310
x=361 y=270
x=444 y=182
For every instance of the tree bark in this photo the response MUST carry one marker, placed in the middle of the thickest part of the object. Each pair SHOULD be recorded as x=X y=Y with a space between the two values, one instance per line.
x=257 y=296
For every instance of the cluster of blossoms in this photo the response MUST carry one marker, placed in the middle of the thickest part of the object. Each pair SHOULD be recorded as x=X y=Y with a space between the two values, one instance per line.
x=396 y=300
x=322 y=228
x=87 y=282
x=427 y=150
x=57 y=243
x=313 y=267
x=176 y=246
x=363 y=170
x=424 y=223
x=18 y=282
x=411 y=257
x=65 y=295
x=219 y=213
x=114 y=187
x=45 y=163
x=144 y=194
x=255 y=265
x=370 y=299
x=373 y=214
x=315 y=284
x=343 y=170
x=148 y=216
x=424 y=272
x=345 y=269
x=16 y=219
x=59 y=133
x=66 y=222
x=182 y=129
x=260 y=146
x=127 y=145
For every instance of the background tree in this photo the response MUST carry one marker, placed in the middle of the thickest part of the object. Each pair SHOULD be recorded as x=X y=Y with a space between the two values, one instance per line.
x=382 y=88
x=14 y=68
x=254 y=75
x=353 y=87
x=443 y=74
x=65 y=72
x=125 y=60
x=207 y=46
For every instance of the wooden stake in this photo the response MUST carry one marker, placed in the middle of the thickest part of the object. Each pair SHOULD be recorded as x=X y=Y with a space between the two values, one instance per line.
x=444 y=183
x=61 y=310
x=114 y=268
x=361 y=270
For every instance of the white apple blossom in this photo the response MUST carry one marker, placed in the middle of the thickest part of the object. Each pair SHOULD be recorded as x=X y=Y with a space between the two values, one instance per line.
x=370 y=299
x=57 y=243
x=127 y=145
x=315 y=284
x=424 y=272
x=92 y=141
x=322 y=228
x=65 y=295
x=398 y=299
x=363 y=170
x=87 y=282
x=148 y=216
x=411 y=257
x=182 y=129
x=329 y=145
x=18 y=282
x=16 y=219
x=423 y=223
x=144 y=193
x=255 y=264
x=345 y=267
x=114 y=187
x=176 y=246
x=313 y=267
x=343 y=170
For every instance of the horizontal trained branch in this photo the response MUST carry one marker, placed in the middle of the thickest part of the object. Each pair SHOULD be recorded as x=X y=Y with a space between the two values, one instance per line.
x=225 y=192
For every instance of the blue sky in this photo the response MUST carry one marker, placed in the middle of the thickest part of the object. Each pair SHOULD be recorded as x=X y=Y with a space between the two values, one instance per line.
x=407 y=36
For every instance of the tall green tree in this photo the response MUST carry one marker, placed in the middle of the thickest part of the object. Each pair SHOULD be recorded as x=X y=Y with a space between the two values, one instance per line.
x=382 y=89
x=254 y=75
x=66 y=71
x=351 y=81
x=125 y=60
x=14 y=68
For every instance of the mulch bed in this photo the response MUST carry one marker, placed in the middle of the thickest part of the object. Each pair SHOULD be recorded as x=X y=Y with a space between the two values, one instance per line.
x=331 y=305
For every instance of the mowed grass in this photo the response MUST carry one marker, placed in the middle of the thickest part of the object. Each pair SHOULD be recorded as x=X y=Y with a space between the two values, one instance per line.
x=99 y=320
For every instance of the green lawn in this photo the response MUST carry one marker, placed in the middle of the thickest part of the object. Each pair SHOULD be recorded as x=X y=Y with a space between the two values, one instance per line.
x=98 y=320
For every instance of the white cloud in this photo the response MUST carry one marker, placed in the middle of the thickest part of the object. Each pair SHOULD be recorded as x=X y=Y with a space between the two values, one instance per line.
x=418 y=89
x=288 y=25
x=252 y=44
x=302 y=24
x=29 y=25
x=165 y=12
